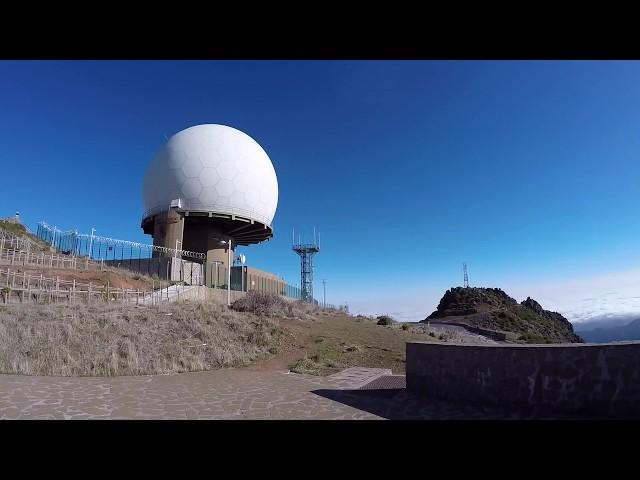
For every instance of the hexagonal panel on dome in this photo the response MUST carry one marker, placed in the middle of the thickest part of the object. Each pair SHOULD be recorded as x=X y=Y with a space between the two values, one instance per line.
x=209 y=196
x=177 y=176
x=191 y=188
x=172 y=157
x=225 y=189
x=192 y=167
x=227 y=170
x=209 y=177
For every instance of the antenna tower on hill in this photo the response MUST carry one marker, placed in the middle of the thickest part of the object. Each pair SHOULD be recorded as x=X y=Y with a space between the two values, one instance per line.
x=466 y=276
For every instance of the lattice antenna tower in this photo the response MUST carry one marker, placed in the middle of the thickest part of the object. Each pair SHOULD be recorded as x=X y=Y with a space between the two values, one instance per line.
x=306 y=252
x=466 y=276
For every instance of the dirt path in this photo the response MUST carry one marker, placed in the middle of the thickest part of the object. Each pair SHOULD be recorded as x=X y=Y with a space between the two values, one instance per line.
x=299 y=338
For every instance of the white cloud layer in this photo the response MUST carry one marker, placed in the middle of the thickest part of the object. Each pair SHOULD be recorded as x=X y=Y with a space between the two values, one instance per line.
x=615 y=294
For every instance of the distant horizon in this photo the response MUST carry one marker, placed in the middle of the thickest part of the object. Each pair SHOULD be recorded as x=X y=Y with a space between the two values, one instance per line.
x=526 y=170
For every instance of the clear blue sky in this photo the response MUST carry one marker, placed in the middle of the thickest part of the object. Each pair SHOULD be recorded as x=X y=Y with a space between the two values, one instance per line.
x=525 y=170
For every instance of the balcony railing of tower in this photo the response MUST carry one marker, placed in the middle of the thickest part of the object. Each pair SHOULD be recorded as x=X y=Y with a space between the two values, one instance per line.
x=306 y=246
x=221 y=209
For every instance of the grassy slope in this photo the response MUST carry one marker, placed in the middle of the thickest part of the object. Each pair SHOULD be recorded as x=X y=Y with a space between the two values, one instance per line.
x=337 y=341
x=21 y=231
x=114 y=339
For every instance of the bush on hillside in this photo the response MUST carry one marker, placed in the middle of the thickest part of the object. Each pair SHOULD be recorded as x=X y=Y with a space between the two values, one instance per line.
x=271 y=305
x=385 y=320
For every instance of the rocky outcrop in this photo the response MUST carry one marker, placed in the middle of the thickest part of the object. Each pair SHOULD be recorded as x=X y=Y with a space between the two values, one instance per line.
x=493 y=309
x=531 y=304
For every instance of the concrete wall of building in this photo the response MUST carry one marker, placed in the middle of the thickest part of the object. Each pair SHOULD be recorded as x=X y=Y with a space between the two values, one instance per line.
x=601 y=379
x=264 y=281
x=174 y=269
x=216 y=295
x=168 y=230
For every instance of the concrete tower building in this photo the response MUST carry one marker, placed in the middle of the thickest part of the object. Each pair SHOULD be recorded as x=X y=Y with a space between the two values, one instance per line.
x=208 y=185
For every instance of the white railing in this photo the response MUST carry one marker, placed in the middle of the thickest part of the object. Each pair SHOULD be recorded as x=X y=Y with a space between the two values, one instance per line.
x=11 y=256
x=26 y=287
x=10 y=240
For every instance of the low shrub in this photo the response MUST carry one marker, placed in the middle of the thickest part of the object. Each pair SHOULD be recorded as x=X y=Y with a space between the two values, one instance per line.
x=385 y=320
x=272 y=305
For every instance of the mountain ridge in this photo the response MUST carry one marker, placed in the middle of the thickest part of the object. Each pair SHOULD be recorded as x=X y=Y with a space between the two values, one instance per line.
x=618 y=333
x=493 y=309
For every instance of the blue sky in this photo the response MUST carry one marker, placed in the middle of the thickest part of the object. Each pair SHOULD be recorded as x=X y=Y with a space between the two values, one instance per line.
x=526 y=170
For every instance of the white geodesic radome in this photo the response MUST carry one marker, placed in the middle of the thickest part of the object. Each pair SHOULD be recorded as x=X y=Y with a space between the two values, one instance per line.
x=212 y=168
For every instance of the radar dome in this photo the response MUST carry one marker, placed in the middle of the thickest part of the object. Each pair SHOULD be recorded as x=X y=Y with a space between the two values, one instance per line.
x=212 y=168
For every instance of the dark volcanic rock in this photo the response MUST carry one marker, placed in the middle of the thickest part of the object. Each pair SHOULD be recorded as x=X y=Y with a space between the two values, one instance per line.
x=531 y=304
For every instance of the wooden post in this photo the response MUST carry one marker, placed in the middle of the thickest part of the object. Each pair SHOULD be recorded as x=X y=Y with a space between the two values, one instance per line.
x=57 y=287
x=89 y=292
x=73 y=294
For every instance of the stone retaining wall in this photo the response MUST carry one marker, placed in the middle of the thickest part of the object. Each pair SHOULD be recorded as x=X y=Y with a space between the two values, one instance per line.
x=600 y=379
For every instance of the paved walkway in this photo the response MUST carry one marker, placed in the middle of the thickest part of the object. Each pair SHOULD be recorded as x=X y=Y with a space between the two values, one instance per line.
x=355 y=393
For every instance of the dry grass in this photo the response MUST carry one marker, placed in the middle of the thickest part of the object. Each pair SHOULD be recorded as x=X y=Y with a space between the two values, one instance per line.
x=111 y=340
